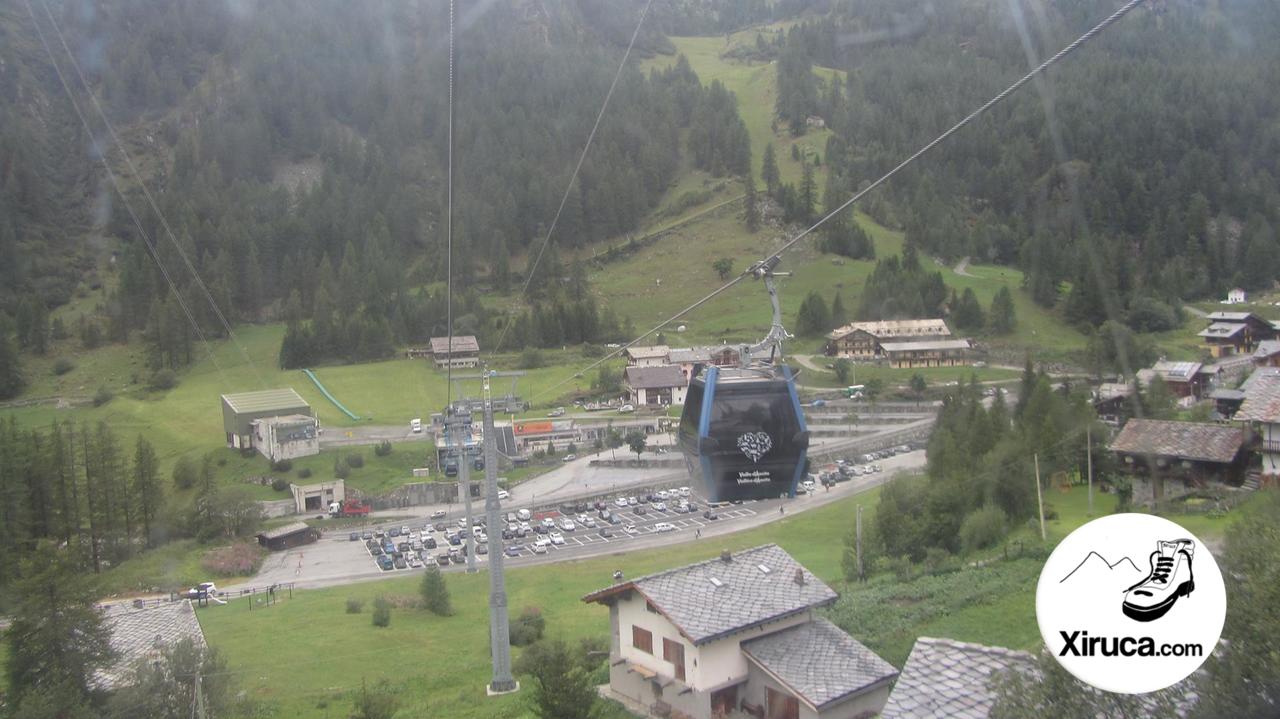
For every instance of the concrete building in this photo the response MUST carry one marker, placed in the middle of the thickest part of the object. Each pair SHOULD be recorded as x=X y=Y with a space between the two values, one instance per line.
x=288 y=536
x=464 y=352
x=312 y=498
x=240 y=410
x=946 y=679
x=142 y=633
x=927 y=353
x=1166 y=459
x=647 y=356
x=533 y=435
x=287 y=437
x=655 y=386
x=737 y=636
x=863 y=340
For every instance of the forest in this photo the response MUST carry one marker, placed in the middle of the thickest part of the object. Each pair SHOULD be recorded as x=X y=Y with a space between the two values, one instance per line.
x=1141 y=173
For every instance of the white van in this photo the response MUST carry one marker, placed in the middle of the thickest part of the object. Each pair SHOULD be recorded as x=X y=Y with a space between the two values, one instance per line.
x=415 y=425
x=524 y=515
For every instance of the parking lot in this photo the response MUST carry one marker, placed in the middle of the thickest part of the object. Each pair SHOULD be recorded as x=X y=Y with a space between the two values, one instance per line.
x=336 y=559
x=644 y=518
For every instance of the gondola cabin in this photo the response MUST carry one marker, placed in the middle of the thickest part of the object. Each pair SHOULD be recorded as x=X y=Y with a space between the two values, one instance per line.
x=743 y=434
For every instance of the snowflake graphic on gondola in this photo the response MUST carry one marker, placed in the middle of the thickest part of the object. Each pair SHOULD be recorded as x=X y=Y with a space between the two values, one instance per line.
x=755 y=445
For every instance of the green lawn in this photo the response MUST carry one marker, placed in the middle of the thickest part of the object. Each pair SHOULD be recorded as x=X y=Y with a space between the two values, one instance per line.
x=377 y=475
x=173 y=566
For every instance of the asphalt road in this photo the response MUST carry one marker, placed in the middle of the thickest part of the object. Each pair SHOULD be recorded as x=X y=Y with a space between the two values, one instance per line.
x=335 y=560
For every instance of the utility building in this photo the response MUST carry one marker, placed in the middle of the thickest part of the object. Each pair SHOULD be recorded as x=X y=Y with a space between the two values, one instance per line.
x=287 y=437
x=241 y=409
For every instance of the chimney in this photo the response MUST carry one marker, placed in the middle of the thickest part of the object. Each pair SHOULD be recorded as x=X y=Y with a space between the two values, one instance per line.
x=725 y=556
x=799 y=579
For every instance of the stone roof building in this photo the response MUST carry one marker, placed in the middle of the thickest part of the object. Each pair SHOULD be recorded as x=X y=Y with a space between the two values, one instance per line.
x=737 y=636
x=140 y=633
x=946 y=679
x=1170 y=458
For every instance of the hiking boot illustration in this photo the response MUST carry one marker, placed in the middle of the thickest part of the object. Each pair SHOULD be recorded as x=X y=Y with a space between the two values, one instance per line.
x=1170 y=578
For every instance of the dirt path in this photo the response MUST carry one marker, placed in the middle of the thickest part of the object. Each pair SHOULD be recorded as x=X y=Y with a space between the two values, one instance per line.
x=962 y=268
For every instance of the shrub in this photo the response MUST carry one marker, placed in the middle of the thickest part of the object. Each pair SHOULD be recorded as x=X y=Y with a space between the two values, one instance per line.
x=304 y=472
x=283 y=465
x=983 y=528
x=381 y=612
x=938 y=560
x=62 y=366
x=279 y=484
x=528 y=627
x=382 y=449
x=590 y=350
x=341 y=470
x=355 y=606
x=162 y=380
x=185 y=473
x=531 y=358
x=355 y=460
x=102 y=396
x=235 y=560
x=435 y=593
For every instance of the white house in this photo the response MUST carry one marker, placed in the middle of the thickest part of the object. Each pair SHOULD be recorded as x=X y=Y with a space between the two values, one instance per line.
x=1236 y=297
x=655 y=386
x=734 y=637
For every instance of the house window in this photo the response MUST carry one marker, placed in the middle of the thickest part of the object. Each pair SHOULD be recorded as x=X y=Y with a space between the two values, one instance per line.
x=782 y=705
x=642 y=639
x=724 y=700
x=674 y=653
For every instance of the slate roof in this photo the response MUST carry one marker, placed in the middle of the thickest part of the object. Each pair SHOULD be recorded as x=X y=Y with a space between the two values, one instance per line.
x=746 y=595
x=1232 y=317
x=654 y=377
x=1176 y=371
x=648 y=352
x=462 y=344
x=1261 y=396
x=1183 y=440
x=140 y=633
x=1222 y=329
x=894 y=328
x=946 y=678
x=819 y=662
x=1266 y=348
x=266 y=400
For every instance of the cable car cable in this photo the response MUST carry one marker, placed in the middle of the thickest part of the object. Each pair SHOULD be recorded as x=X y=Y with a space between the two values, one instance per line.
x=115 y=183
x=93 y=98
x=1089 y=35
x=532 y=269
x=448 y=223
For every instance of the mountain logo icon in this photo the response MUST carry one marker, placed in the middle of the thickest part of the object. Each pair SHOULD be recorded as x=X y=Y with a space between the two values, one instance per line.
x=1094 y=564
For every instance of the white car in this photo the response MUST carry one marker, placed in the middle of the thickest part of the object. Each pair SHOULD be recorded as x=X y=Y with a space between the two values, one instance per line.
x=539 y=547
x=589 y=523
x=524 y=515
x=504 y=494
x=684 y=491
x=525 y=527
x=664 y=527
x=462 y=522
x=627 y=408
x=556 y=538
x=630 y=529
x=548 y=522
x=807 y=485
x=620 y=501
x=632 y=501
x=660 y=506
x=413 y=561
x=567 y=525
x=877 y=468
x=663 y=494
x=869 y=469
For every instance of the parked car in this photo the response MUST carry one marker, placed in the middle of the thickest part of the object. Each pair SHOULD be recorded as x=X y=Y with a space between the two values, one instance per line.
x=627 y=408
x=394 y=532
x=504 y=494
x=630 y=529
x=430 y=543
x=375 y=550
x=660 y=506
x=589 y=523
x=710 y=515
x=416 y=545
x=366 y=535
x=440 y=526
x=482 y=549
x=557 y=412
x=439 y=514
x=632 y=501
x=548 y=522
x=539 y=547
x=385 y=563
x=639 y=509
x=524 y=515
x=568 y=525
x=556 y=538
x=570 y=457
x=512 y=550
x=664 y=527
x=413 y=561
x=620 y=501
x=684 y=491
x=442 y=559
x=355 y=537
x=606 y=532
